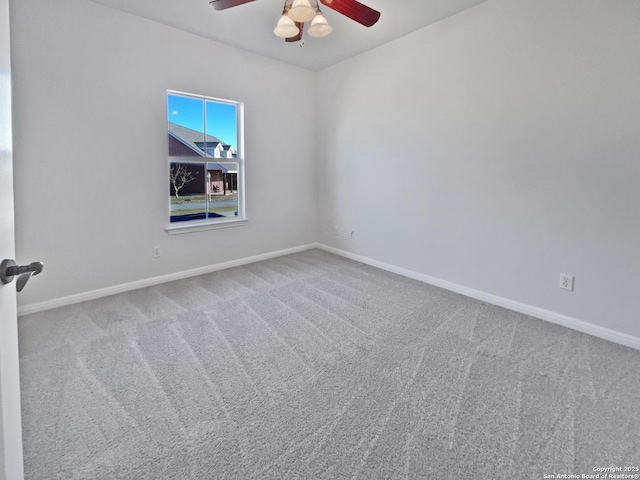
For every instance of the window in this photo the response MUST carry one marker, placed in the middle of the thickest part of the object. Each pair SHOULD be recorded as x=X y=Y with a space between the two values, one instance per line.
x=206 y=169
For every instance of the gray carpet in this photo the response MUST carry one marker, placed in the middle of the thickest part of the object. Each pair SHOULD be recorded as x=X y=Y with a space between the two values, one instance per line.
x=311 y=366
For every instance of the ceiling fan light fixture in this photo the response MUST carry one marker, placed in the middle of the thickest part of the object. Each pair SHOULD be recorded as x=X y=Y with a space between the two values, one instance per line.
x=286 y=28
x=319 y=26
x=301 y=11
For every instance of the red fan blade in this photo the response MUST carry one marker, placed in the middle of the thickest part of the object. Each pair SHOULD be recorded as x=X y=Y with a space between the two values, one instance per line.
x=224 y=4
x=354 y=10
x=298 y=37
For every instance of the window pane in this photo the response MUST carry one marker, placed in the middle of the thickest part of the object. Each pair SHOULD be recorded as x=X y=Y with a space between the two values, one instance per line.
x=221 y=121
x=222 y=189
x=187 y=191
x=185 y=117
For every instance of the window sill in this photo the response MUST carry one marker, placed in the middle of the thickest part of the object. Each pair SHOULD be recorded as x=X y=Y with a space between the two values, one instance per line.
x=205 y=225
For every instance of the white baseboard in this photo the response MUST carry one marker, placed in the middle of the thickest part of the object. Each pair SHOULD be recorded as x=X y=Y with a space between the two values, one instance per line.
x=149 y=282
x=553 y=317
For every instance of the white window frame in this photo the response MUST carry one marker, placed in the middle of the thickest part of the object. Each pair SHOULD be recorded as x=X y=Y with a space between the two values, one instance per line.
x=211 y=223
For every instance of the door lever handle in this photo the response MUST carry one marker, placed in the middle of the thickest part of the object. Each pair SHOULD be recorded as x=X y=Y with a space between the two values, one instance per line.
x=9 y=270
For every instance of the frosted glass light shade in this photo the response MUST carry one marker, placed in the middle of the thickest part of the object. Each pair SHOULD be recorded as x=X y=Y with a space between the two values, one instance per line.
x=286 y=28
x=319 y=26
x=301 y=11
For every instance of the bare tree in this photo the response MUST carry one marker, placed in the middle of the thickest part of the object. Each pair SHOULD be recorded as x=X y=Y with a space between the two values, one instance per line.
x=179 y=175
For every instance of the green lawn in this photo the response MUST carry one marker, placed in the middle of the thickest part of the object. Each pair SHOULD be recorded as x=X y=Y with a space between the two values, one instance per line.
x=201 y=198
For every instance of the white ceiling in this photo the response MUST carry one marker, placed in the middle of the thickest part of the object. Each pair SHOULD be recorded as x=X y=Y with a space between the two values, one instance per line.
x=250 y=26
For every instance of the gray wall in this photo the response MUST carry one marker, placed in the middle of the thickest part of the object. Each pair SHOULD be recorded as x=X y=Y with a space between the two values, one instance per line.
x=91 y=146
x=496 y=150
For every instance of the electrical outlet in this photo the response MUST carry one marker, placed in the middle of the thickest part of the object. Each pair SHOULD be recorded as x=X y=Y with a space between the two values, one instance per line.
x=156 y=251
x=566 y=282
x=335 y=230
x=353 y=235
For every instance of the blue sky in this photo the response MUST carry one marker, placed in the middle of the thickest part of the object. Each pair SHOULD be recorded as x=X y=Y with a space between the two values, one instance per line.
x=221 y=117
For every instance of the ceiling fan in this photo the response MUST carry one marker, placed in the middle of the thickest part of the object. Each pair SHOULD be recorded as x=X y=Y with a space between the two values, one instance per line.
x=296 y=12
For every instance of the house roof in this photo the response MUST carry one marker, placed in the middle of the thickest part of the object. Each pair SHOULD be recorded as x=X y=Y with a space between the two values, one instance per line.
x=193 y=138
x=225 y=168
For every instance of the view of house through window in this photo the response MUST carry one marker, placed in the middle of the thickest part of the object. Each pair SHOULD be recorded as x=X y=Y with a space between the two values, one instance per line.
x=204 y=161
